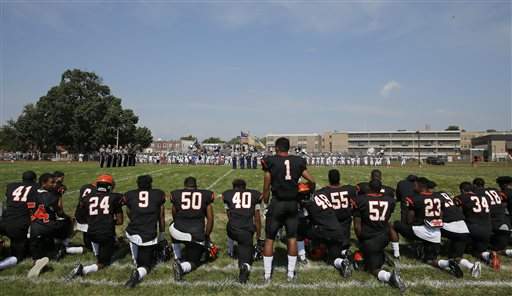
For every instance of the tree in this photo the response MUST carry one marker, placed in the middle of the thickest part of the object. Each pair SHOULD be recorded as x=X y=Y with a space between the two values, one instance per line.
x=235 y=140
x=80 y=114
x=452 y=128
x=490 y=131
x=188 y=138
x=213 y=140
x=143 y=137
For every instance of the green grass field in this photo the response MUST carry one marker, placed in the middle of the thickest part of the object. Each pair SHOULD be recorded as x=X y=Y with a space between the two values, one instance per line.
x=220 y=276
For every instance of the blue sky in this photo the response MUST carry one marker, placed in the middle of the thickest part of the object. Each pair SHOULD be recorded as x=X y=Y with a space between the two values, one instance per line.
x=215 y=68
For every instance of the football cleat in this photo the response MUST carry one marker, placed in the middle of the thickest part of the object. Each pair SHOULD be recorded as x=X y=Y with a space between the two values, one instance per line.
x=76 y=272
x=244 y=273
x=455 y=269
x=303 y=261
x=346 y=268
x=61 y=252
x=396 y=281
x=134 y=280
x=476 y=270
x=38 y=266
x=494 y=261
x=178 y=271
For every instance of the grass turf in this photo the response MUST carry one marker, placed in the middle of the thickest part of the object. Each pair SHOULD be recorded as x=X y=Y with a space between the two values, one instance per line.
x=219 y=277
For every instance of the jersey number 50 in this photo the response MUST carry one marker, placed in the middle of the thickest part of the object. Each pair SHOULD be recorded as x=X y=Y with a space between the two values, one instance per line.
x=191 y=200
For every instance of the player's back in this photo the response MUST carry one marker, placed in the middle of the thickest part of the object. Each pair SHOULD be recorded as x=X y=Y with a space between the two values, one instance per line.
x=20 y=198
x=451 y=212
x=191 y=206
x=46 y=206
x=476 y=208
x=375 y=210
x=427 y=208
x=144 y=206
x=321 y=211
x=404 y=188
x=497 y=208
x=285 y=172
x=102 y=207
x=241 y=206
x=341 y=199
x=81 y=212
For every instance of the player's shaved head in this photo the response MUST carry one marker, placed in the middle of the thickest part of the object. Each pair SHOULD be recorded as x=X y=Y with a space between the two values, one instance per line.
x=282 y=144
x=190 y=182
x=29 y=176
x=465 y=187
x=422 y=184
x=144 y=182
x=239 y=184
x=46 y=180
x=375 y=186
x=334 y=177
x=479 y=182
x=376 y=175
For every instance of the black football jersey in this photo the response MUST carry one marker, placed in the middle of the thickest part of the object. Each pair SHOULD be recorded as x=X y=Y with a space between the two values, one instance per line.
x=341 y=199
x=145 y=206
x=404 y=189
x=476 y=208
x=20 y=201
x=46 y=207
x=241 y=206
x=497 y=207
x=506 y=197
x=81 y=212
x=451 y=211
x=286 y=172
x=427 y=208
x=321 y=211
x=191 y=206
x=375 y=210
x=101 y=210
x=364 y=188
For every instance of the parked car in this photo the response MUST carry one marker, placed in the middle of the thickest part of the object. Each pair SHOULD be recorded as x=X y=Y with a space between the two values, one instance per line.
x=433 y=160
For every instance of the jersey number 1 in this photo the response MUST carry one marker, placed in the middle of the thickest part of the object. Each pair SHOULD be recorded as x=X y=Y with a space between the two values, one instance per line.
x=288 y=175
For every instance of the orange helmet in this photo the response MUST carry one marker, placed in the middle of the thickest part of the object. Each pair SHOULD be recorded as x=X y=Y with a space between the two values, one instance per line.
x=108 y=179
x=304 y=187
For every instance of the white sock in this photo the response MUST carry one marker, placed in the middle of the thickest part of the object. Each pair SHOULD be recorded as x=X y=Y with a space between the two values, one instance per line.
x=90 y=268
x=248 y=266
x=74 y=250
x=267 y=264
x=465 y=263
x=186 y=266
x=508 y=252
x=443 y=263
x=384 y=276
x=8 y=262
x=486 y=255
x=292 y=262
x=177 y=250
x=301 y=249
x=142 y=272
x=337 y=262
x=396 y=249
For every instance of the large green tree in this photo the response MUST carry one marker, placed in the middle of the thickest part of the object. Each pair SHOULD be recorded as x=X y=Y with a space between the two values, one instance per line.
x=80 y=114
x=213 y=140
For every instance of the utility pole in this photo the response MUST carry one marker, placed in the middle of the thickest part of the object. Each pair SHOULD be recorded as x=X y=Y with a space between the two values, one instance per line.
x=419 y=151
x=117 y=139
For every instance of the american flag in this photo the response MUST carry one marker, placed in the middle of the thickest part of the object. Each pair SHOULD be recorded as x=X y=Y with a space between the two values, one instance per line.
x=244 y=136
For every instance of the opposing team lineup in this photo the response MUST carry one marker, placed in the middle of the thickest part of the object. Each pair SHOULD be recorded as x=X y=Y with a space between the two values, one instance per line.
x=314 y=223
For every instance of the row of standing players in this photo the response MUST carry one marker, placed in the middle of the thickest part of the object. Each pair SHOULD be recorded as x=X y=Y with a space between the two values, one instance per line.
x=465 y=220
x=117 y=157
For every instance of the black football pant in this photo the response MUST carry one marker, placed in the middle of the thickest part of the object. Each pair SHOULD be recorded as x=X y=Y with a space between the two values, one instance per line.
x=114 y=161
x=103 y=248
x=17 y=235
x=109 y=161
x=481 y=237
x=279 y=214
x=373 y=251
x=125 y=160
x=102 y=161
x=192 y=253
x=244 y=238
x=500 y=239
x=430 y=250
x=403 y=212
x=457 y=243
x=144 y=256
x=42 y=237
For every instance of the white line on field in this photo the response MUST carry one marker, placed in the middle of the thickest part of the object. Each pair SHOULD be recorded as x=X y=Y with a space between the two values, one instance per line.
x=234 y=284
x=219 y=179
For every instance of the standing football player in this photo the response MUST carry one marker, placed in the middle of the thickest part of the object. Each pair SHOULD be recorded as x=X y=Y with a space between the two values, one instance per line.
x=282 y=174
x=16 y=217
x=505 y=184
x=146 y=212
x=372 y=212
x=375 y=174
x=192 y=213
x=243 y=210
x=405 y=188
x=104 y=213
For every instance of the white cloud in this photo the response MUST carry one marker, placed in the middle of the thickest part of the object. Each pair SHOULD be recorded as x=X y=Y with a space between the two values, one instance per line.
x=390 y=87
